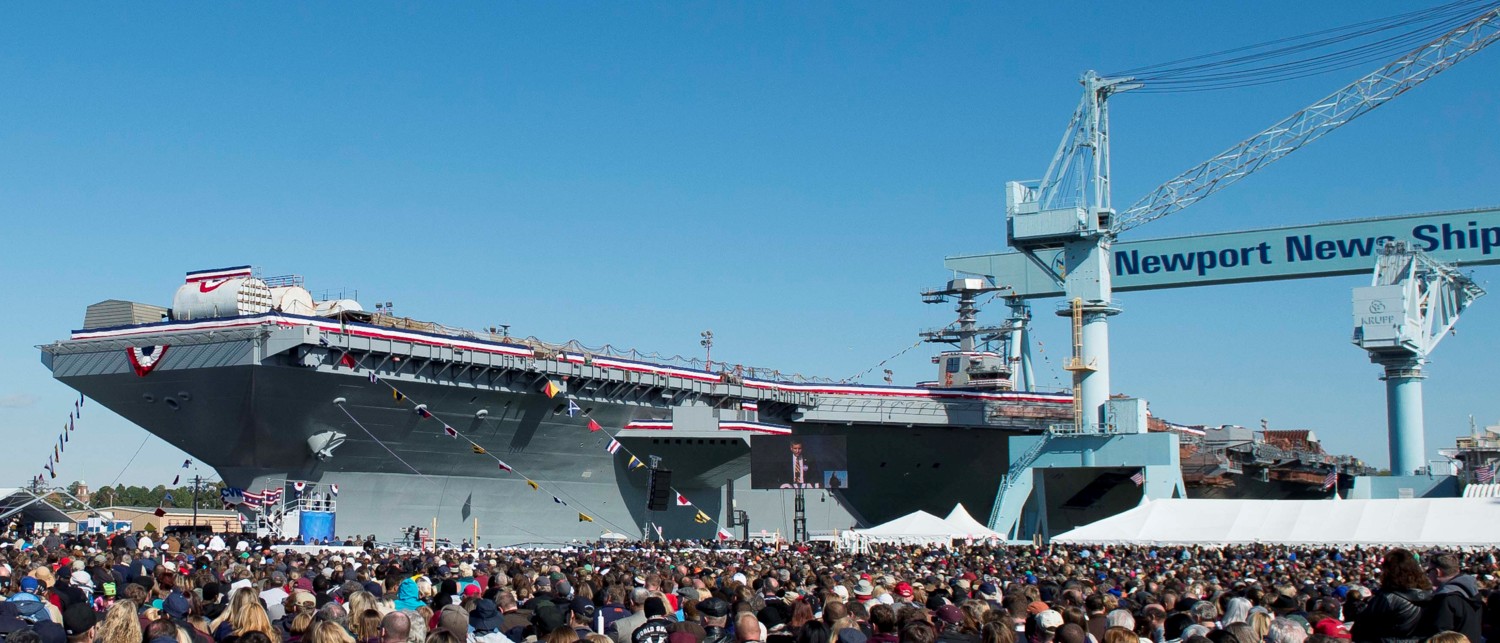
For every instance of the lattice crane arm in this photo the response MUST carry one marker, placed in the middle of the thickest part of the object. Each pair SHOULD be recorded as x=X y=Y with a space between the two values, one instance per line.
x=1310 y=124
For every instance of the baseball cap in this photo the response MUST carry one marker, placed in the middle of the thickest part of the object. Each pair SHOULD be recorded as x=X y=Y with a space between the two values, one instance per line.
x=79 y=618
x=1332 y=628
x=903 y=589
x=1049 y=619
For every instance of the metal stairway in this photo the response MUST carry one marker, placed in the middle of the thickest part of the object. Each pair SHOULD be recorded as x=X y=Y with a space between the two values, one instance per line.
x=1018 y=468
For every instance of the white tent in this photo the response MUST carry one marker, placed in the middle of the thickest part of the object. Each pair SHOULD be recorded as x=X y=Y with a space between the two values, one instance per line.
x=916 y=528
x=1452 y=522
x=965 y=524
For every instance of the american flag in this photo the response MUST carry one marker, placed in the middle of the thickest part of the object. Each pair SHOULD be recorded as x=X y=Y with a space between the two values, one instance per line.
x=1331 y=479
x=1139 y=478
x=1485 y=475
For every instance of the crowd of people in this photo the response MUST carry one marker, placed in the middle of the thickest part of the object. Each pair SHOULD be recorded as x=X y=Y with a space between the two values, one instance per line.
x=124 y=588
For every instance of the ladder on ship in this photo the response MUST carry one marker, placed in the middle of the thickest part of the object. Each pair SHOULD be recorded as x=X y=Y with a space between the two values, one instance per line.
x=1018 y=468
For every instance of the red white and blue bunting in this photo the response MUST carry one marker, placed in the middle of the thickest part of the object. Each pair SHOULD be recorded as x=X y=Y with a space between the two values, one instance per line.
x=145 y=358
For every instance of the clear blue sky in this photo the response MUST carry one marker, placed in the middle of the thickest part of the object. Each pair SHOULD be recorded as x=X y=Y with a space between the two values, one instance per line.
x=786 y=174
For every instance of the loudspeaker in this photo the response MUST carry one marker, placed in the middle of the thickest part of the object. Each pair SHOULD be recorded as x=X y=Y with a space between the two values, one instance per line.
x=659 y=490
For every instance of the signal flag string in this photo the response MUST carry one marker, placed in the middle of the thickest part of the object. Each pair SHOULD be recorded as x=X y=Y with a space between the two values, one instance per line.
x=550 y=388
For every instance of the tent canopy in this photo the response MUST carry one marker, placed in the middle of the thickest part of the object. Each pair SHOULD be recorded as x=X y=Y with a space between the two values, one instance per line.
x=917 y=523
x=961 y=520
x=1453 y=522
x=32 y=507
x=921 y=527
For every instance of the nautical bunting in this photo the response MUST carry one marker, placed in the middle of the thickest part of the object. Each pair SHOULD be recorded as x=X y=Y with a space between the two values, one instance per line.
x=582 y=517
x=397 y=395
x=505 y=467
x=422 y=411
x=533 y=485
x=725 y=535
x=614 y=446
x=373 y=379
x=635 y=463
x=346 y=361
x=551 y=388
x=594 y=427
x=559 y=501
x=701 y=518
x=176 y=479
x=479 y=450
x=187 y=463
x=333 y=489
x=573 y=408
x=682 y=501
x=143 y=359
x=450 y=431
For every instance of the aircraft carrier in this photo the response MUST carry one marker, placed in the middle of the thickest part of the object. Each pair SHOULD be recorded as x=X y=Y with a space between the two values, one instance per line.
x=417 y=424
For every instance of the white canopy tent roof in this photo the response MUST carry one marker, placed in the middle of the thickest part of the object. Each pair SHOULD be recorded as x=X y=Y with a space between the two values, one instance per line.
x=922 y=528
x=960 y=520
x=1417 y=522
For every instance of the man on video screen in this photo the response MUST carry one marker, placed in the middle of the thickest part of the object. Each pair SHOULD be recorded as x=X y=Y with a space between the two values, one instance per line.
x=803 y=470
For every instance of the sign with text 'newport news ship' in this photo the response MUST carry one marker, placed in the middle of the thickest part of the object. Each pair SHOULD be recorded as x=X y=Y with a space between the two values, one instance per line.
x=1468 y=238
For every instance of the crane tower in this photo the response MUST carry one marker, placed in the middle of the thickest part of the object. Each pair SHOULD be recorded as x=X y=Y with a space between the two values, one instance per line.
x=1412 y=302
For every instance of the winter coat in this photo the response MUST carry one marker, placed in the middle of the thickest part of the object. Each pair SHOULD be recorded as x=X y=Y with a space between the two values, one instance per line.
x=1455 y=606
x=1392 y=617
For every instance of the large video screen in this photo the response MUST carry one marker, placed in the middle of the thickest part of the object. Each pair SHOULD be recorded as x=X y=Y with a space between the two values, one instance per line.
x=805 y=461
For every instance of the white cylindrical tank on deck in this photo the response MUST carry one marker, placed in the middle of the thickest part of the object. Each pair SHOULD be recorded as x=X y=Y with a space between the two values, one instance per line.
x=293 y=300
x=231 y=297
x=336 y=306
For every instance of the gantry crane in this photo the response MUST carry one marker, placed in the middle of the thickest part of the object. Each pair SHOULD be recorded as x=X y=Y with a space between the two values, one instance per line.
x=1069 y=209
x=1411 y=304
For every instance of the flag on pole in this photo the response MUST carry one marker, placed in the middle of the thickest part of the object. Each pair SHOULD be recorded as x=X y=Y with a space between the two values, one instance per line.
x=505 y=467
x=450 y=431
x=422 y=411
x=533 y=485
x=479 y=449
x=1331 y=479
x=1139 y=478
x=573 y=408
x=1485 y=475
x=682 y=501
x=614 y=446
x=551 y=388
x=701 y=518
x=594 y=426
x=582 y=517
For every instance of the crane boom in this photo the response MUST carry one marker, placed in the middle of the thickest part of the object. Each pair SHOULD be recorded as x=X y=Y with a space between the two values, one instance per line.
x=1318 y=119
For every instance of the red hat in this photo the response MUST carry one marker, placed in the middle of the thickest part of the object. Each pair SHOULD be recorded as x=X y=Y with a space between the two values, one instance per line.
x=903 y=589
x=1332 y=628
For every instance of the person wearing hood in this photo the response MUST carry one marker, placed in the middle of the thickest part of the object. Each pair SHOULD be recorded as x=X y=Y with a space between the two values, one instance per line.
x=1455 y=603
x=408 y=597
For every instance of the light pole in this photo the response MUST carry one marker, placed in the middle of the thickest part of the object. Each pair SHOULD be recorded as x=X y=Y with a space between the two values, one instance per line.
x=708 y=347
